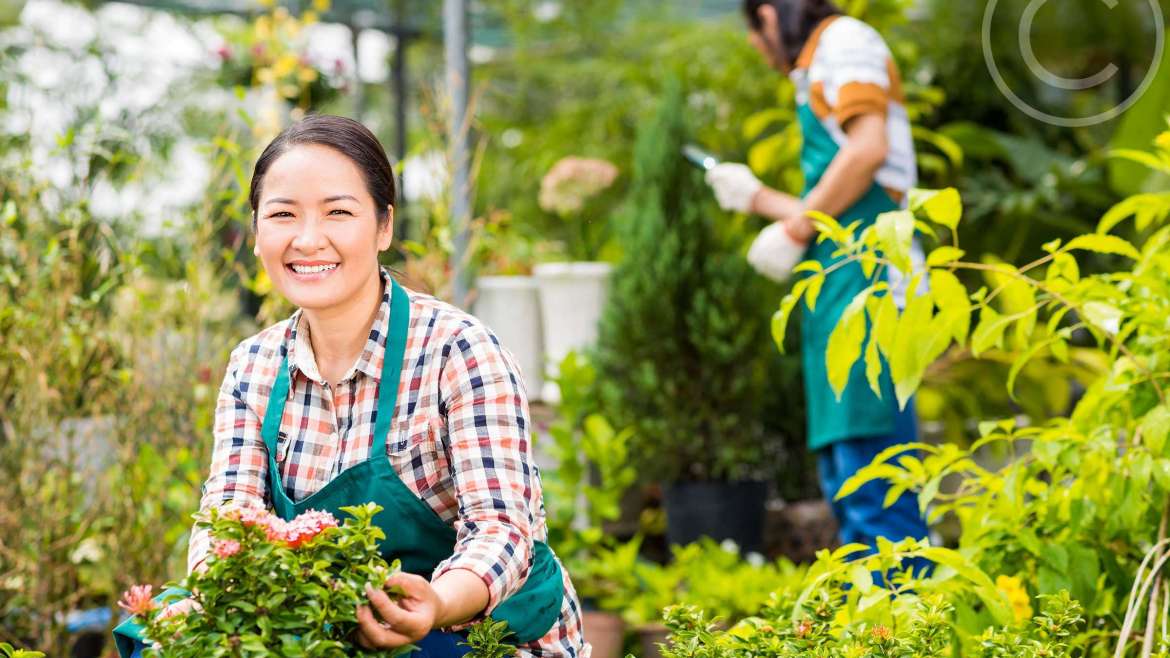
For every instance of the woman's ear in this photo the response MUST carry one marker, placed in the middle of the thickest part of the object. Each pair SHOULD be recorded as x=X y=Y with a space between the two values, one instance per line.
x=386 y=231
x=255 y=241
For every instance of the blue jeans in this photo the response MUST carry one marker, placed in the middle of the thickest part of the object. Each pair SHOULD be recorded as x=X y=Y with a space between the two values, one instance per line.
x=437 y=644
x=860 y=515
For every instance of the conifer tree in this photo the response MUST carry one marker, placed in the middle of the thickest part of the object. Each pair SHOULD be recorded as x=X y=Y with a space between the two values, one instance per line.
x=683 y=340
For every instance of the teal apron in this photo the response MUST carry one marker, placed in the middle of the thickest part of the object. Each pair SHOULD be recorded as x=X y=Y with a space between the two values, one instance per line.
x=858 y=413
x=414 y=533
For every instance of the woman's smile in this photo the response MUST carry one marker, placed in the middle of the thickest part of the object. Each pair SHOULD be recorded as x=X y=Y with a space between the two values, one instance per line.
x=310 y=270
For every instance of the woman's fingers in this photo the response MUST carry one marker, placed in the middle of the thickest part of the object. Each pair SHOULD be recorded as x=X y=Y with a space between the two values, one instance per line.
x=373 y=634
x=412 y=586
x=387 y=609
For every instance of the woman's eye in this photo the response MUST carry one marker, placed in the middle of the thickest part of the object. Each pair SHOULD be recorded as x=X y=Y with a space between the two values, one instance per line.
x=280 y=214
x=340 y=211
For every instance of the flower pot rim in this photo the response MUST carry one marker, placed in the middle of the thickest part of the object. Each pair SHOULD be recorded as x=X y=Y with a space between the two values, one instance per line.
x=506 y=281
x=586 y=268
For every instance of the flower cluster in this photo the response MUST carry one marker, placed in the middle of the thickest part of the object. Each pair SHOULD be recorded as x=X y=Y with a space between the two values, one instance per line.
x=294 y=533
x=138 y=600
x=572 y=181
x=273 y=52
x=311 y=562
x=1013 y=589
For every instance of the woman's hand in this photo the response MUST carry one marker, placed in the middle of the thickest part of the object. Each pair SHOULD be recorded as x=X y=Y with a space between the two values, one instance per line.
x=390 y=624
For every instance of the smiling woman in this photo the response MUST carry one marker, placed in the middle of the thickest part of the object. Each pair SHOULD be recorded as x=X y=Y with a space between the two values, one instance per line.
x=374 y=393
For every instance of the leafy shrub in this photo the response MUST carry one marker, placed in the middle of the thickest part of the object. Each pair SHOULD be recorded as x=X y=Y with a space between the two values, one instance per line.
x=1081 y=505
x=270 y=586
x=847 y=606
x=678 y=353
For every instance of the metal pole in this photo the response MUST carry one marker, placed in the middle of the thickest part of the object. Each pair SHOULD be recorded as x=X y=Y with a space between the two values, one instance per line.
x=359 y=92
x=398 y=77
x=398 y=86
x=455 y=39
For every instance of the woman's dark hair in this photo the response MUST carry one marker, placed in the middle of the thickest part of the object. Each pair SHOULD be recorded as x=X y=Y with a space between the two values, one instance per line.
x=346 y=136
x=798 y=18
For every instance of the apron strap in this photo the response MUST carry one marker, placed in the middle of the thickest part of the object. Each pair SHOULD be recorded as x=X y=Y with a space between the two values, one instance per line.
x=392 y=358
x=275 y=411
x=393 y=355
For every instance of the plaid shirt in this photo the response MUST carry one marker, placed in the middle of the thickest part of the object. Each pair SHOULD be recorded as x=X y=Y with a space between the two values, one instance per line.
x=459 y=441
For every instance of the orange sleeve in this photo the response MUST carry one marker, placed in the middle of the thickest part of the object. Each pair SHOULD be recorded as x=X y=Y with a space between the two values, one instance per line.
x=857 y=98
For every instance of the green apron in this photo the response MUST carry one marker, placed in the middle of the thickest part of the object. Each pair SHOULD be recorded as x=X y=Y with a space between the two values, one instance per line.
x=414 y=533
x=858 y=413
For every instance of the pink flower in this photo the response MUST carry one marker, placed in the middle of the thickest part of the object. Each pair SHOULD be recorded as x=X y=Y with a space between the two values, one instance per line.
x=278 y=531
x=572 y=181
x=306 y=526
x=224 y=52
x=137 y=600
x=226 y=548
x=252 y=517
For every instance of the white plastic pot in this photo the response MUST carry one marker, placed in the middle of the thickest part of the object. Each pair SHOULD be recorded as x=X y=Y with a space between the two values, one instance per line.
x=510 y=307
x=572 y=296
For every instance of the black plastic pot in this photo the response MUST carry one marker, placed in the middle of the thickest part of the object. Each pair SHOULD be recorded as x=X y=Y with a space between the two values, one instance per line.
x=719 y=510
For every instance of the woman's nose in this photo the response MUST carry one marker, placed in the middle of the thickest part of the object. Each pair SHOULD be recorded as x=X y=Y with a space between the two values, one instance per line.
x=309 y=235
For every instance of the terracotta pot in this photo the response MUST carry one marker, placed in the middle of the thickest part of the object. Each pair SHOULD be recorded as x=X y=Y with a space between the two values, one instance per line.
x=605 y=632
x=649 y=637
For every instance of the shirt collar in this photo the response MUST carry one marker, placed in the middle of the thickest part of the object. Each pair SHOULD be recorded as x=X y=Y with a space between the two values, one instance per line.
x=299 y=348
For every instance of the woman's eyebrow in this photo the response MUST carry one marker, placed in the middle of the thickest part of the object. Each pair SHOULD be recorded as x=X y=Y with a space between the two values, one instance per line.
x=339 y=197
x=281 y=200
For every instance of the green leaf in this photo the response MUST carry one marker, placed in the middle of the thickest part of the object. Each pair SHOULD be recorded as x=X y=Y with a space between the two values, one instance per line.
x=989 y=332
x=764 y=153
x=1021 y=361
x=811 y=265
x=866 y=475
x=757 y=122
x=873 y=365
x=814 y=290
x=885 y=322
x=906 y=368
x=1154 y=428
x=1103 y=243
x=845 y=342
x=950 y=296
x=944 y=255
x=983 y=587
x=861 y=577
x=895 y=233
x=780 y=317
x=1102 y=315
x=1141 y=157
x=943 y=207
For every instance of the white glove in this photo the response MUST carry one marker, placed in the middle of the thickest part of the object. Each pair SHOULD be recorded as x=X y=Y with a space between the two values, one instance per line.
x=734 y=184
x=774 y=253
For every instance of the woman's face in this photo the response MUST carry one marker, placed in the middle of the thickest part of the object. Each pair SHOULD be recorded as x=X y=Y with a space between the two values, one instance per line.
x=316 y=229
x=767 y=40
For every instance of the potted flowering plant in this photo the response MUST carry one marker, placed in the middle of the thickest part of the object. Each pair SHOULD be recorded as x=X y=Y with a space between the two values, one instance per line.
x=272 y=51
x=580 y=191
x=270 y=587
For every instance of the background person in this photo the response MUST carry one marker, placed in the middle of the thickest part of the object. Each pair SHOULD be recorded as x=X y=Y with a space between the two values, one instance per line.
x=857 y=159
